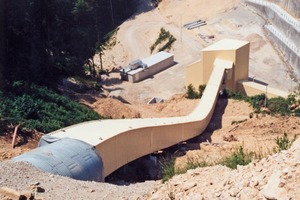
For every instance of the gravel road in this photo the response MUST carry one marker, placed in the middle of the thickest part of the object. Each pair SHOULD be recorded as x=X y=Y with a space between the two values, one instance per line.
x=23 y=179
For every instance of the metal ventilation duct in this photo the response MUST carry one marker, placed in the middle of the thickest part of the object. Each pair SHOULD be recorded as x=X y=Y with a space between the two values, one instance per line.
x=67 y=157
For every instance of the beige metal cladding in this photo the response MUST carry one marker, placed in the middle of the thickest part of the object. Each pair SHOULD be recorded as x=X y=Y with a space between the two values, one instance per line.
x=226 y=49
x=119 y=142
x=251 y=88
x=193 y=74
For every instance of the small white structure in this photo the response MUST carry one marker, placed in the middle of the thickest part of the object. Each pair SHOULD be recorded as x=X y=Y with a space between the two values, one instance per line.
x=141 y=69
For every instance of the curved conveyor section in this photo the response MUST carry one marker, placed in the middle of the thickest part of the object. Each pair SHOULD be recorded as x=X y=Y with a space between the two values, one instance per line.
x=119 y=142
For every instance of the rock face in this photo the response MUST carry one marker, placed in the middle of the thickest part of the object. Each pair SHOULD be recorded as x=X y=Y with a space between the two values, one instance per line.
x=274 y=177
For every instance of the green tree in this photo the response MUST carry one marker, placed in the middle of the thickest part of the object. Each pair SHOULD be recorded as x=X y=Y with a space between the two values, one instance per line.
x=47 y=40
x=191 y=92
x=2 y=43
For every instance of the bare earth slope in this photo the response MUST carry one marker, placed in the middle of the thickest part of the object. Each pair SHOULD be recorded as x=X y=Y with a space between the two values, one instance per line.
x=274 y=177
x=210 y=183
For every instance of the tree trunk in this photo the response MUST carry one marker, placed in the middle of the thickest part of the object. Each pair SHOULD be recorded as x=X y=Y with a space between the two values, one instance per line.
x=100 y=56
x=112 y=13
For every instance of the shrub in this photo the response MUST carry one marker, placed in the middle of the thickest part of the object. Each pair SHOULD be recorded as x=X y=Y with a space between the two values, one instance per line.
x=278 y=105
x=257 y=101
x=201 y=89
x=238 y=157
x=168 y=45
x=168 y=168
x=42 y=109
x=235 y=95
x=192 y=163
x=284 y=143
x=191 y=93
x=297 y=112
x=163 y=36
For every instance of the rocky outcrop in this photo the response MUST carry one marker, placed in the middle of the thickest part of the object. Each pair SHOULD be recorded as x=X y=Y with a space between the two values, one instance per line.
x=274 y=177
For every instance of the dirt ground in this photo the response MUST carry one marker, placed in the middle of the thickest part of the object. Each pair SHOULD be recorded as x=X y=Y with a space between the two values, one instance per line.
x=24 y=142
x=234 y=124
x=231 y=20
x=136 y=35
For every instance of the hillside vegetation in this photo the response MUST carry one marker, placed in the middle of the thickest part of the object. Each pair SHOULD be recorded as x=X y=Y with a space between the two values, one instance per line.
x=46 y=40
x=41 y=109
x=41 y=43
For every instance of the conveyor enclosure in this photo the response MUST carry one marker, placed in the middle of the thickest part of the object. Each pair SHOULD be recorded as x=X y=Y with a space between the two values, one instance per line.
x=93 y=150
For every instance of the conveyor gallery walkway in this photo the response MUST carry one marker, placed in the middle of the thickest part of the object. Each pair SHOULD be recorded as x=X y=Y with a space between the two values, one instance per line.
x=93 y=150
x=121 y=141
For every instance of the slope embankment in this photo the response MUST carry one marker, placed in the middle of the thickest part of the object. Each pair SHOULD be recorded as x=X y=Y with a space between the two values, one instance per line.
x=273 y=177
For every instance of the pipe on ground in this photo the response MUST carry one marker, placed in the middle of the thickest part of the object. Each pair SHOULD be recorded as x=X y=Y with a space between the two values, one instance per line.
x=66 y=157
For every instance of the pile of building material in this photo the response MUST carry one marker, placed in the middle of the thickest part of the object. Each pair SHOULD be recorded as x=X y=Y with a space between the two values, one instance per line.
x=195 y=24
x=156 y=100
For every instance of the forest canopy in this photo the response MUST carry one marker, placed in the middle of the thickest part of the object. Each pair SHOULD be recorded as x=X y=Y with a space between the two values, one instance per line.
x=43 y=41
x=47 y=40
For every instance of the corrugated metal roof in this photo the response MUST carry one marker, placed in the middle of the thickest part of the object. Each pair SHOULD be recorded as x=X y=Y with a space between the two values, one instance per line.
x=156 y=58
x=151 y=60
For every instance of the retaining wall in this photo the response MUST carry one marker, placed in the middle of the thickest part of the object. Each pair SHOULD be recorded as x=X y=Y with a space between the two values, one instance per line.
x=284 y=30
x=292 y=6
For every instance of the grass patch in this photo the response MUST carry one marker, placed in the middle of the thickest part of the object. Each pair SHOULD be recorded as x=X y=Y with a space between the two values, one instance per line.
x=283 y=143
x=193 y=163
x=238 y=157
x=167 y=168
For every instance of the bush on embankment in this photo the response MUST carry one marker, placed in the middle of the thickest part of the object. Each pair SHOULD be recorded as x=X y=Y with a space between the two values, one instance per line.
x=39 y=108
x=276 y=105
x=238 y=157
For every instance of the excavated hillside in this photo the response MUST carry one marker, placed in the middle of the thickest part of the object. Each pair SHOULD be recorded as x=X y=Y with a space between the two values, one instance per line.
x=273 y=177
x=234 y=124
